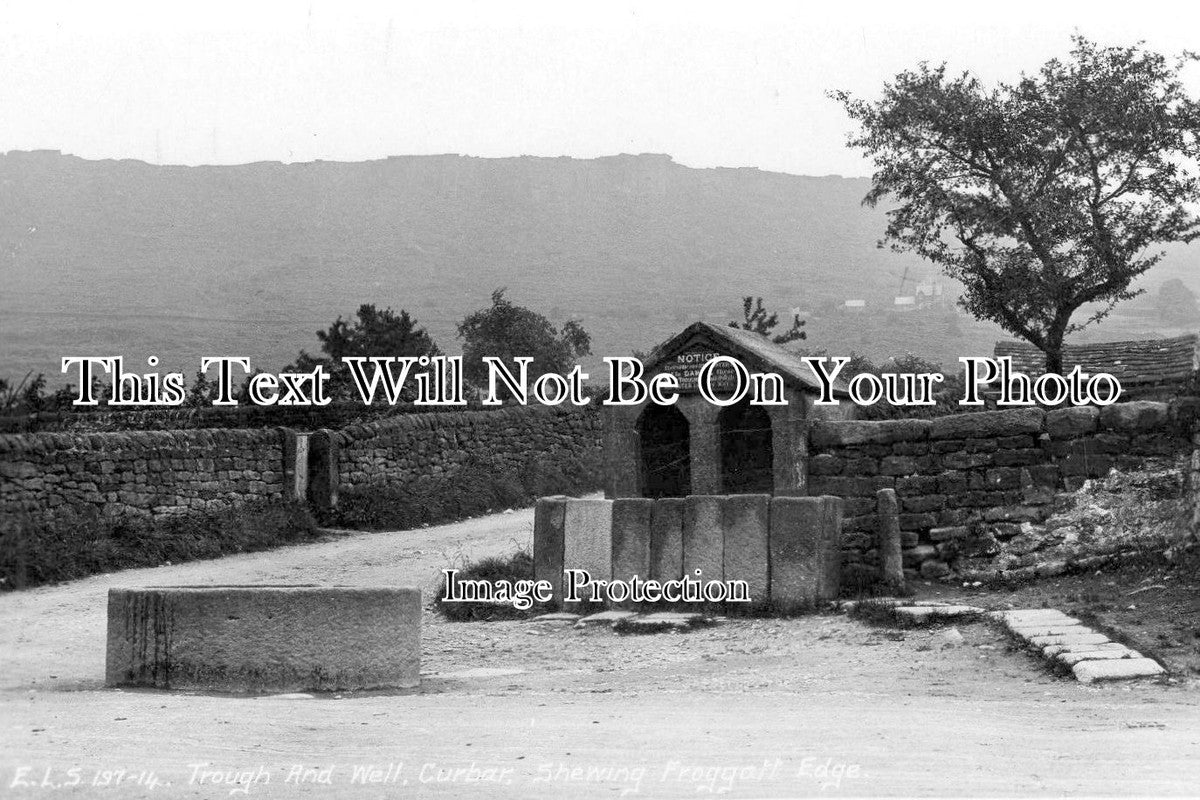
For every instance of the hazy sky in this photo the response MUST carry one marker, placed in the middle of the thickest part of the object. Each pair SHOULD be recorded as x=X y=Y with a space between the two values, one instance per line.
x=741 y=84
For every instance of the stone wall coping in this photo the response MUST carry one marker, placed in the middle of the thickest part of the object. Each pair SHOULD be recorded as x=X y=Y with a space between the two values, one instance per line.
x=1138 y=416
x=44 y=443
x=436 y=420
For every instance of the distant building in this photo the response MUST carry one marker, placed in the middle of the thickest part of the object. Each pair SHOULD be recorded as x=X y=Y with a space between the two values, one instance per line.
x=905 y=303
x=855 y=305
x=1141 y=366
x=928 y=294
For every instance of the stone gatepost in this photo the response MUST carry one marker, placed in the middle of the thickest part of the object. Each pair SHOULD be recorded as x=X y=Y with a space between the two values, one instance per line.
x=323 y=477
x=295 y=464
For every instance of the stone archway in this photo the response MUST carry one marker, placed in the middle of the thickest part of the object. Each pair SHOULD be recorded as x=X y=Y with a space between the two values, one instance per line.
x=665 y=438
x=747 y=450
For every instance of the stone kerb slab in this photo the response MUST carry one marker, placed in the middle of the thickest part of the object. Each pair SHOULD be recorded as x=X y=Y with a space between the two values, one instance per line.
x=264 y=638
x=704 y=537
x=631 y=518
x=587 y=537
x=805 y=549
x=666 y=539
x=1090 y=655
x=746 y=520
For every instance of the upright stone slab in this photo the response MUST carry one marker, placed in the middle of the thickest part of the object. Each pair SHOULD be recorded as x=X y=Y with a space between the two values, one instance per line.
x=703 y=537
x=888 y=542
x=587 y=538
x=264 y=638
x=631 y=537
x=746 y=520
x=549 y=525
x=831 y=571
x=666 y=539
x=323 y=469
x=805 y=549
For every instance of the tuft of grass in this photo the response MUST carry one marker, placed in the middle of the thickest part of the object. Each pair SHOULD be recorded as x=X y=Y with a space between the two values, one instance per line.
x=860 y=582
x=513 y=568
x=74 y=544
x=879 y=614
x=884 y=615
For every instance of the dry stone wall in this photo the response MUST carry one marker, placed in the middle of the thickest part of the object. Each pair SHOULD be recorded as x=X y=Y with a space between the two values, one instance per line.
x=970 y=484
x=405 y=448
x=155 y=473
x=144 y=473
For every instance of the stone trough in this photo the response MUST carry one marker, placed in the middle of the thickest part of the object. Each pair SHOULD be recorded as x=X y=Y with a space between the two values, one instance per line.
x=264 y=638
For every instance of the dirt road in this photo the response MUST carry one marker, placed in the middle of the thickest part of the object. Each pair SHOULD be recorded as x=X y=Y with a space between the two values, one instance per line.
x=754 y=708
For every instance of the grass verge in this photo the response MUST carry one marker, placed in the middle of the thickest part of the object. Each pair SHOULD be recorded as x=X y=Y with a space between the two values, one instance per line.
x=74 y=544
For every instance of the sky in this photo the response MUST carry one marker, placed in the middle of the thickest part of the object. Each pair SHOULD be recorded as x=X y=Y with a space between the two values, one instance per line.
x=733 y=84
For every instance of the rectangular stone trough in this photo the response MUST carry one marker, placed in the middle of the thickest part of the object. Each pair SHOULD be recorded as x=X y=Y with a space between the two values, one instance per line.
x=264 y=638
x=785 y=550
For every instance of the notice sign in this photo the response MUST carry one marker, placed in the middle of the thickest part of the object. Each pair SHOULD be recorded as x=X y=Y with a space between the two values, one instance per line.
x=686 y=367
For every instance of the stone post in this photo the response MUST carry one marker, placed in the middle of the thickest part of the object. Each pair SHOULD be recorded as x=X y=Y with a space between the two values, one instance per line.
x=324 y=476
x=549 y=523
x=295 y=464
x=887 y=541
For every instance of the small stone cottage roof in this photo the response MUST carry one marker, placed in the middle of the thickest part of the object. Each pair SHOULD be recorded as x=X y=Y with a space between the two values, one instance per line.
x=1145 y=362
x=756 y=352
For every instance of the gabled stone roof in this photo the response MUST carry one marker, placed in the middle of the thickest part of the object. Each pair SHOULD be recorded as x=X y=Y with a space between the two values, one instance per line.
x=1144 y=362
x=756 y=352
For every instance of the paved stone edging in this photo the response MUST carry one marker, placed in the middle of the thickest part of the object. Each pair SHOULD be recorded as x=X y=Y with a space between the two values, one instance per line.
x=1090 y=655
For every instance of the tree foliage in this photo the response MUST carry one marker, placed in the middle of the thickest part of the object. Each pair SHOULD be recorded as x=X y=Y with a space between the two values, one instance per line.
x=758 y=320
x=1177 y=303
x=1044 y=195
x=29 y=395
x=506 y=331
x=371 y=333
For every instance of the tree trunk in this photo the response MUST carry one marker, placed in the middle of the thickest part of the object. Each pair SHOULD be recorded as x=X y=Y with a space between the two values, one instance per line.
x=1053 y=348
x=1054 y=360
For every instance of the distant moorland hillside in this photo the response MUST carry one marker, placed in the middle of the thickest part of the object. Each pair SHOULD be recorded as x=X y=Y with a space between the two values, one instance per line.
x=122 y=257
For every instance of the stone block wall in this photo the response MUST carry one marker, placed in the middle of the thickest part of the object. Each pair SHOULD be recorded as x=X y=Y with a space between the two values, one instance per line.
x=402 y=449
x=152 y=473
x=969 y=482
x=146 y=473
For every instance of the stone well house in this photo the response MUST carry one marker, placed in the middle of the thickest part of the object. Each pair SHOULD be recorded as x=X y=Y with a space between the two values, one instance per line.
x=695 y=447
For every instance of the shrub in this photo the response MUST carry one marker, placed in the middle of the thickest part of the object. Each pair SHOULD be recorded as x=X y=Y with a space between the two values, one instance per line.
x=74 y=544
x=517 y=567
